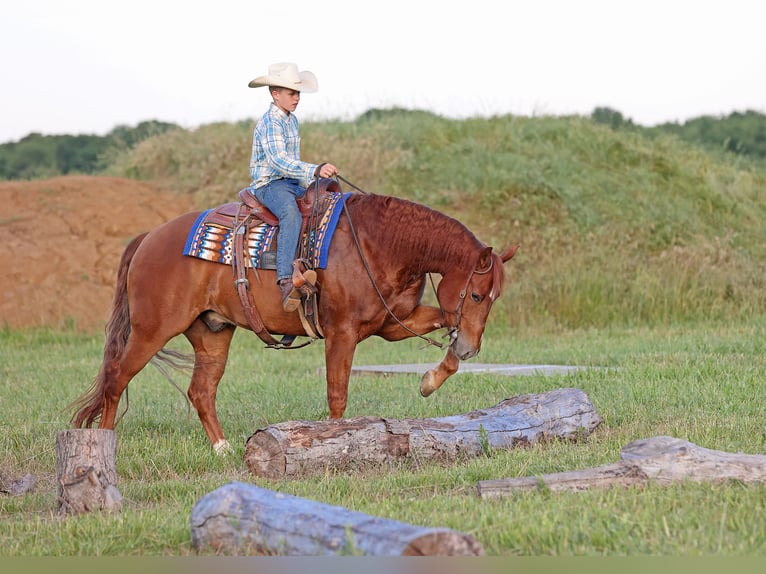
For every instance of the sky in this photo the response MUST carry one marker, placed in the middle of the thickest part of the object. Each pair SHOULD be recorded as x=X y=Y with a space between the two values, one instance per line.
x=87 y=66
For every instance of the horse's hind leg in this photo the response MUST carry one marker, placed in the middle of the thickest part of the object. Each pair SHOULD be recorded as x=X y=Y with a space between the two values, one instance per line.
x=211 y=351
x=118 y=372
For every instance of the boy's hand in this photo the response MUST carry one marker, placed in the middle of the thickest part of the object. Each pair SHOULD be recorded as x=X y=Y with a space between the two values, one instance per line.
x=327 y=170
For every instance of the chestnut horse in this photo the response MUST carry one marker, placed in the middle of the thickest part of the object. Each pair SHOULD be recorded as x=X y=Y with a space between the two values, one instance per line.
x=381 y=252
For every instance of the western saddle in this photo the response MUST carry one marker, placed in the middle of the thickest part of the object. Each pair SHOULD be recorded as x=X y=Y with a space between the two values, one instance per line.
x=252 y=212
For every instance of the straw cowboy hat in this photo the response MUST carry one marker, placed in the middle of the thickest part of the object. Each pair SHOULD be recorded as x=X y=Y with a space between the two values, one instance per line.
x=286 y=75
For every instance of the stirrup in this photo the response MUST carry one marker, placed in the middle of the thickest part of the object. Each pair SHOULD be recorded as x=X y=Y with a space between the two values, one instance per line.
x=308 y=288
x=303 y=286
x=291 y=299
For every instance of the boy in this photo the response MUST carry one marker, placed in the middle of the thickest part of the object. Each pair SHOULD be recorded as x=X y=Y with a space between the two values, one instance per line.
x=279 y=176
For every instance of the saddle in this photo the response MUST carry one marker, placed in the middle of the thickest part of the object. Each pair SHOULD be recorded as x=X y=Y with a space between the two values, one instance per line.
x=307 y=203
x=311 y=203
x=251 y=212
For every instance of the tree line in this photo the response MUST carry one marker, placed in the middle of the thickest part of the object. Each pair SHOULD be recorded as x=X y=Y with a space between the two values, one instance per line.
x=741 y=133
x=38 y=156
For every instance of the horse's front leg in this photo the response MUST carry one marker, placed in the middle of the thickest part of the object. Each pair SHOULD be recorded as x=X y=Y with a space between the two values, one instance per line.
x=422 y=320
x=434 y=378
x=339 y=355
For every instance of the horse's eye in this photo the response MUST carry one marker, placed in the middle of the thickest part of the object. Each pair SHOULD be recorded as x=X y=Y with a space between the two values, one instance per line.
x=476 y=297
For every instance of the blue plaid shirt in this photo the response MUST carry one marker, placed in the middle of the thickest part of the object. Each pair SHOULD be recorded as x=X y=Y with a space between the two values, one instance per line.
x=277 y=150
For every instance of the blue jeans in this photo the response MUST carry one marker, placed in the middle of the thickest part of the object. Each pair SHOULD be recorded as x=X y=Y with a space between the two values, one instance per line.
x=280 y=198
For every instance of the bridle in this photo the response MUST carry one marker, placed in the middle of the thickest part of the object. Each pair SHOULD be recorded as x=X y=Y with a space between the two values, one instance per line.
x=452 y=330
x=455 y=329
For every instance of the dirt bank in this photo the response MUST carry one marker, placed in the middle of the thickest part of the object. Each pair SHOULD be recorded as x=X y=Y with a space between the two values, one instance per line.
x=62 y=239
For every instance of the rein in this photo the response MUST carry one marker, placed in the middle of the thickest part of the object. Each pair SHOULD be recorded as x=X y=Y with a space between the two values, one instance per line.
x=453 y=330
x=428 y=340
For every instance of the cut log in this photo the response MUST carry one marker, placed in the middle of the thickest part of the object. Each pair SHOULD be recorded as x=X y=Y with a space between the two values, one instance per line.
x=240 y=518
x=660 y=459
x=86 y=471
x=298 y=448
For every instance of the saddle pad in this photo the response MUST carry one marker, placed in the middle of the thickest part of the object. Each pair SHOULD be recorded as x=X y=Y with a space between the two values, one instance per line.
x=214 y=241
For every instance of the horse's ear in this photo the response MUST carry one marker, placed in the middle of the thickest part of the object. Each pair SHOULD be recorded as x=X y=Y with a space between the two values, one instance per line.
x=485 y=260
x=509 y=253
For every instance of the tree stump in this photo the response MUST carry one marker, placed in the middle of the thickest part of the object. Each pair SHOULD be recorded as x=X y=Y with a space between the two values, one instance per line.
x=242 y=518
x=661 y=459
x=297 y=448
x=86 y=471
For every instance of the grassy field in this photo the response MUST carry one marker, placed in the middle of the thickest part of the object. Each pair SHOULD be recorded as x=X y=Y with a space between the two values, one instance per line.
x=642 y=258
x=702 y=383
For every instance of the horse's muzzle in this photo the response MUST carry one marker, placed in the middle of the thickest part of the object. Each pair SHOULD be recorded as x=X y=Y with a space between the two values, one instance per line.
x=462 y=350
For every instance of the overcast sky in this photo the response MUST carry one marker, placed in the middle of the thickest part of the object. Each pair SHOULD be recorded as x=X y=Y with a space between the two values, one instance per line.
x=86 y=66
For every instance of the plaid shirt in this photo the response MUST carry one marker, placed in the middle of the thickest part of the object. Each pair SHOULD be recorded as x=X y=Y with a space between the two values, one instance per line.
x=277 y=150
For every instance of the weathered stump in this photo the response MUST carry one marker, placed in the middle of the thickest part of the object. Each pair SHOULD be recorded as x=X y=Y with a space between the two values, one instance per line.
x=661 y=459
x=245 y=519
x=86 y=471
x=296 y=448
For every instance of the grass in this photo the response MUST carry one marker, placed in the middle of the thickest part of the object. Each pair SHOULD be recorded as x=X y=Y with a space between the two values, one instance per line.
x=642 y=257
x=701 y=383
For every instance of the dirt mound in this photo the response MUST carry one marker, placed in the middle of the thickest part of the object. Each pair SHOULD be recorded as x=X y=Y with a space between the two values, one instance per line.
x=62 y=239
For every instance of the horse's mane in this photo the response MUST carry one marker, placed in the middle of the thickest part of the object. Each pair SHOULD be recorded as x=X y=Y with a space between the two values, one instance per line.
x=413 y=231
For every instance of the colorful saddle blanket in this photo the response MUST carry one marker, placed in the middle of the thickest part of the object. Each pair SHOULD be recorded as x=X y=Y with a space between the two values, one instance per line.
x=212 y=239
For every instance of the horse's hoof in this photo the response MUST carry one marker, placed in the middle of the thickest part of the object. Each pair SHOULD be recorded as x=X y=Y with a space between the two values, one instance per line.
x=222 y=447
x=427 y=384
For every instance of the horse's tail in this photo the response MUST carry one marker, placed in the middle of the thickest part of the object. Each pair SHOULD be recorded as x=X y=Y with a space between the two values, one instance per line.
x=90 y=404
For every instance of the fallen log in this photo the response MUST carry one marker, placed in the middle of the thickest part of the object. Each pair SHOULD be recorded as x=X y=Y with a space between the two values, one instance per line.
x=660 y=459
x=86 y=471
x=240 y=518
x=297 y=448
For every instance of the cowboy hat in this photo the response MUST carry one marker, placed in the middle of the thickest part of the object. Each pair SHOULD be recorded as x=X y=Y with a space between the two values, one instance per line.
x=286 y=75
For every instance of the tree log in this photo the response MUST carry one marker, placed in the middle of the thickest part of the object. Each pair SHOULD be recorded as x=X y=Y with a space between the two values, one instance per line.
x=245 y=519
x=661 y=459
x=86 y=471
x=297 y=448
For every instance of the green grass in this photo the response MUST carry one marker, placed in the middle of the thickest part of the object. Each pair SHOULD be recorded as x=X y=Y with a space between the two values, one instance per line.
x=641 y=257
x=702 y=383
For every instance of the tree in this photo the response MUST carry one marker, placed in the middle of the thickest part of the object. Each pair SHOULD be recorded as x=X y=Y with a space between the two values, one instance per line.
x=742 y=133
x=610 y=117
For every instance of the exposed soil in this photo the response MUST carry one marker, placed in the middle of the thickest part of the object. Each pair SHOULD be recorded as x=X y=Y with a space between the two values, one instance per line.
x=60 y=243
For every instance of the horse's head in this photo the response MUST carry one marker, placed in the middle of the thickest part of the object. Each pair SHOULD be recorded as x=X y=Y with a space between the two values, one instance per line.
x=466 y=297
